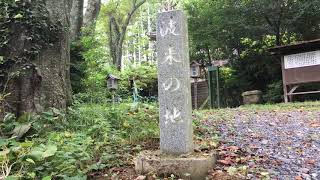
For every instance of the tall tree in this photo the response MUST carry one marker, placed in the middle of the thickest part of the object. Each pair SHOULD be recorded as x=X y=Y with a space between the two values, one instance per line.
x=119 y=20
x=282 y=16
x=243 y=30
x=76 y=19
x=92 y=12
x=34 y=45
x=223 y=23
x=137 y=36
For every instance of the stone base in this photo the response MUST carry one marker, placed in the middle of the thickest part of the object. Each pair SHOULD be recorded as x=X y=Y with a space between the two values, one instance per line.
x=192 y=166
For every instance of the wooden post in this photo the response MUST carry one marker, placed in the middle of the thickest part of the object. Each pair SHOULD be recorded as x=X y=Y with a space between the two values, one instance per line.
x=211 y=89
x=113 y=98
x=290 y=97
x=195 y=93
x=285 y=89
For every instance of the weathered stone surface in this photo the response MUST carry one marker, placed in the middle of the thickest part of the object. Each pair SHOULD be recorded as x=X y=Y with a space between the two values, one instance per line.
x=252 y=97
x=193 y=166
x=174 y=83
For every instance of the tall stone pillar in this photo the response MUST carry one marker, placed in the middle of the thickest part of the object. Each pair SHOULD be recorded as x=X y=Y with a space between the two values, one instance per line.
x=176 y=133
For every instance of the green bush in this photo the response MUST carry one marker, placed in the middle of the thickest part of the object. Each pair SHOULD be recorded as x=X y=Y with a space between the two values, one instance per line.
x=274 y=92
x=145 y=78
x=134 y=123
x=88 y=138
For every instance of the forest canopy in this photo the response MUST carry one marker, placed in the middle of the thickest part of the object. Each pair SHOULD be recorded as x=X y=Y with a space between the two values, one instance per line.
x=114 y=37
x=58 y=117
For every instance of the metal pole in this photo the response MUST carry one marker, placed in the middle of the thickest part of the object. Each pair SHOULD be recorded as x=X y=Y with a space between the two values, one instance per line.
x=211 y=94
x=218 y=87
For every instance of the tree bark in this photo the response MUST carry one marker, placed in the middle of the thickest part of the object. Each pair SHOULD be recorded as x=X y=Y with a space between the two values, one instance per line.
x=92 y=12
x=43 y=81
x=76 y=19
x=113 y=38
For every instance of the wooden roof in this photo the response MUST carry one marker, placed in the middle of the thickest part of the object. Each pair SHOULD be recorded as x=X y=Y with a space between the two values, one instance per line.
x=152 y=36
x=111 y=76
x=300 y=47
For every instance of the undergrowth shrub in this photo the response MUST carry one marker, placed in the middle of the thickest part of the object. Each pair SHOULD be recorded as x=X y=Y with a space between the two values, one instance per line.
x=89 y=137
x=133 y=123
x=274 y=92
x=142 y=78
x=145 y=78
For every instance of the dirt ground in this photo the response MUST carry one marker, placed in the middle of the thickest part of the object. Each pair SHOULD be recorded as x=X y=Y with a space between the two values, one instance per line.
x=255 y=142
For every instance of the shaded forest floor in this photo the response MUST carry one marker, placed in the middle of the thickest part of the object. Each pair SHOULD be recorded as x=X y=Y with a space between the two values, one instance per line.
x=253 y=142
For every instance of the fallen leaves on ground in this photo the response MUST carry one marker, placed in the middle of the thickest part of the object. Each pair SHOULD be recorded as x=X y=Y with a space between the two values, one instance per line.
x=282 y=144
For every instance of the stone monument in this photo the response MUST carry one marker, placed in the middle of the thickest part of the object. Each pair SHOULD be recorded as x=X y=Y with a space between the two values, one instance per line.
x=174 y=84
x=176 y=155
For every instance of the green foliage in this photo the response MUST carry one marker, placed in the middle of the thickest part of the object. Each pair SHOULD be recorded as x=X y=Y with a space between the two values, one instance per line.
x=260 y=47
x=285 y=16
x=310 y=106
x=131 y=122
x=215 y=28
x=137 y=45
x=19 y=158
x=96 y=60
x=274 y=93
x=242 y=31
x=229 y=83
x=90 y=137
x=145 y=78
x=77 y=68
x=98 y=63
x=120 y=13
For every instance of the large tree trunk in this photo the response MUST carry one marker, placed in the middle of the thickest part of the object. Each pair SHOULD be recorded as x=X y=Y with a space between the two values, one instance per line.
x=92 y=12
x=43 y=80
x=76 y=19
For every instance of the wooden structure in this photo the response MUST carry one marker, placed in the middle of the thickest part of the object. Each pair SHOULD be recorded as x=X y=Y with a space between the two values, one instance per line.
x=202 y=94
x=214 y=75
x=195 y=73
x=152 y=36
x=112 y=82
x=300 y=64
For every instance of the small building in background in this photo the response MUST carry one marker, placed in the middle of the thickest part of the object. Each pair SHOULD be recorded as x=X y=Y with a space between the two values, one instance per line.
x=300 y=65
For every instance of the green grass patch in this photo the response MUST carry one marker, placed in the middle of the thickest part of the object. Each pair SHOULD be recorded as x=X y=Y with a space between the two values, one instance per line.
x=310 y=106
